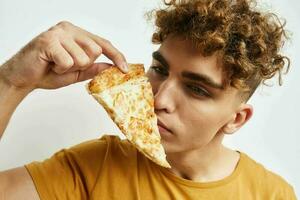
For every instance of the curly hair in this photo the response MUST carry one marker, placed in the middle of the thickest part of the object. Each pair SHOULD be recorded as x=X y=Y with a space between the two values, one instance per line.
x=247 y=40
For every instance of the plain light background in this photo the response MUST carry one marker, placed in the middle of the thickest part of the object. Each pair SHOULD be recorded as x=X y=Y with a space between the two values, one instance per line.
x=47 y=121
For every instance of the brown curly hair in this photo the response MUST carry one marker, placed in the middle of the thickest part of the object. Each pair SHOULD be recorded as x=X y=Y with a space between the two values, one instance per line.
x=248 y=41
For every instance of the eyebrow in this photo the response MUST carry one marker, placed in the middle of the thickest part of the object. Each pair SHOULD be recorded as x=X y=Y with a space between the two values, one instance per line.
x=202 y=78
x=157 y=56
x=189 y=75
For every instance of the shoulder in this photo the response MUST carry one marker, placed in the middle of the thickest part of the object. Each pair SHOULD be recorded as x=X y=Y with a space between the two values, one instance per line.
x=106 y=145
x=90 y=156
x=266 y=180
x=81 y=166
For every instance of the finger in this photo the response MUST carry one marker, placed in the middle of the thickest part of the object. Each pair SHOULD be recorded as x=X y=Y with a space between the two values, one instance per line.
x=91 y=48
x=92 y=71
x=61 y=58
x=80 y=58
x=111 y=52
x=54 y=80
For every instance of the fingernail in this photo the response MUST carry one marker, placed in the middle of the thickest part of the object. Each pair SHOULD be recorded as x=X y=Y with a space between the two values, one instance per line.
x=125 y=67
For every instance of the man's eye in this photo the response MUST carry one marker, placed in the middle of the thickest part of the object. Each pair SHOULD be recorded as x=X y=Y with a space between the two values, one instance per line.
x=198 y=90
x=159 y=70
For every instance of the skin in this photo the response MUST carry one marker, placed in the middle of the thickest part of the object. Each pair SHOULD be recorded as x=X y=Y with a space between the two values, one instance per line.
x=197 y=114
x=58 y=57
x=65 y=54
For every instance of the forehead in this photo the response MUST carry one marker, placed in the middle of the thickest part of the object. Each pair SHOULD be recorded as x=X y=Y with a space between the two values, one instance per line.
x=182 y=56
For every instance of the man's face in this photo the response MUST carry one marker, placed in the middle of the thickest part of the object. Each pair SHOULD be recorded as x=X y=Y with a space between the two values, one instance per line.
x=190 y=99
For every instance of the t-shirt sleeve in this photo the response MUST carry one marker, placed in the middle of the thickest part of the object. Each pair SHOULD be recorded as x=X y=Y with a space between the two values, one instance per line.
x=289 y=193
x=70 y=173
x=279 y=188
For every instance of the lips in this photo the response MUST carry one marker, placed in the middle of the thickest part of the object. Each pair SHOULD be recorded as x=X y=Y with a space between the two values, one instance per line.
x=161 y=124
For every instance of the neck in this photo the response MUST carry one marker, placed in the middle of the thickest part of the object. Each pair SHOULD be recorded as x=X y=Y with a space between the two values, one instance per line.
x=204 y=165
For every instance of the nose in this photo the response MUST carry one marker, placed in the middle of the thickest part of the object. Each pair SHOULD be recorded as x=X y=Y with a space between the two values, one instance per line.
x=165 y=97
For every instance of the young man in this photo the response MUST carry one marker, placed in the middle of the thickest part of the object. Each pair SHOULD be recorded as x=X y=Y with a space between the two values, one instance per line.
x=213 y=55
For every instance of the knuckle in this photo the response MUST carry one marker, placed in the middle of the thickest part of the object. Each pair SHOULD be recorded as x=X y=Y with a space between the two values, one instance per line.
x=83 y=61
x=63 y=62
x=56 y=32
x=46 y=38
x=68 y=63
x=107 y=42
x=64 y=24
x=52 y=34
x=96 y=50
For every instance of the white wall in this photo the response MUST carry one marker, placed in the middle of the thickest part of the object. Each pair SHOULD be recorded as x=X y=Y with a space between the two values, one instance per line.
x=47 y=121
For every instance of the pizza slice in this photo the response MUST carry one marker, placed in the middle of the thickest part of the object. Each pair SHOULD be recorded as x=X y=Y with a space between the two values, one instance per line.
x=128 y=99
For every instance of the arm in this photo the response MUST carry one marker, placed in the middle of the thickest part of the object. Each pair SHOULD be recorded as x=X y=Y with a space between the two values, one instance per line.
x=63 y=55
x=17 y=184
x=10 y=97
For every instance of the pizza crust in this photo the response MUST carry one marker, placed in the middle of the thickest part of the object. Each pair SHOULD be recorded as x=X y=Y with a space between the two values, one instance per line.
x=113 y=76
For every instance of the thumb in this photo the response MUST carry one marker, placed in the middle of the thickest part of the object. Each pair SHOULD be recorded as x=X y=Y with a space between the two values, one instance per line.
x=54 y=80
x=92 y=71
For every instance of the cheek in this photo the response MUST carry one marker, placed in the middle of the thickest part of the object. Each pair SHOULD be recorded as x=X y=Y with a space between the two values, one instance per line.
x=200 y=122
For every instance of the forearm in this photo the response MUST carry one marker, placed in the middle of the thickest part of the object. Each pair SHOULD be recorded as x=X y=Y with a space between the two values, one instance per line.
x=10 y=98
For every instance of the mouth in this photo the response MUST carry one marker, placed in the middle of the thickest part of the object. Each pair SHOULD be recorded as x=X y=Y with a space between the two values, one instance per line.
x=162 y=127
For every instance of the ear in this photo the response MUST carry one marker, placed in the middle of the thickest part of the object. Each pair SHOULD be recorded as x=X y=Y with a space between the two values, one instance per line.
x=241 y=116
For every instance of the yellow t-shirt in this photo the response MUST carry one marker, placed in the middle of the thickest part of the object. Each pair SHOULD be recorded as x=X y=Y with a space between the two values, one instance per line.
x=110 y=168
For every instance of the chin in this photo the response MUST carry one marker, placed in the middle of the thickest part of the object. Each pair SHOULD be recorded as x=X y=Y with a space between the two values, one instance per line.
x=170 y=147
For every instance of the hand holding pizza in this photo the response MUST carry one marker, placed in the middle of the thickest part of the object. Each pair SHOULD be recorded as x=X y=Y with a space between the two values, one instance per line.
x=63 y=55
